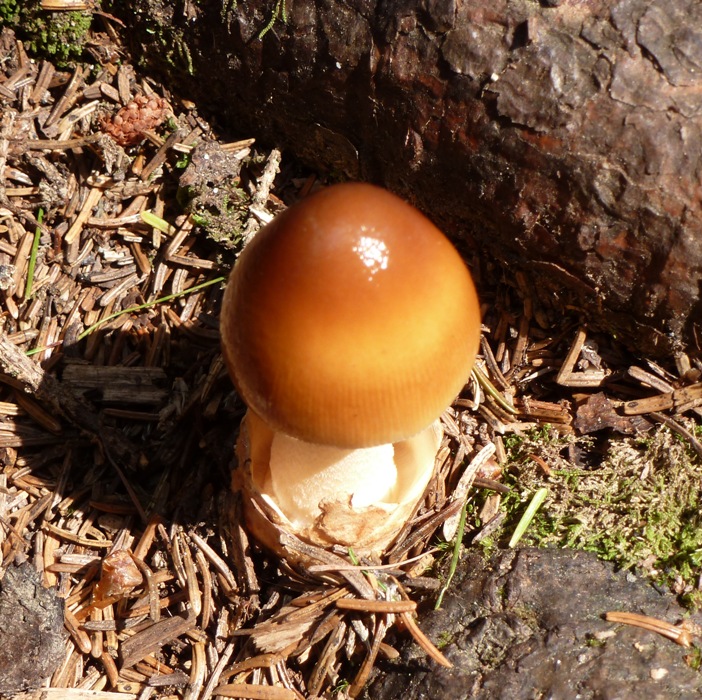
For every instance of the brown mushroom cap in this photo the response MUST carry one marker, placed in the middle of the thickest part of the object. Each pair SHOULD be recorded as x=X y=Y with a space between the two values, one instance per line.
x=350 y=320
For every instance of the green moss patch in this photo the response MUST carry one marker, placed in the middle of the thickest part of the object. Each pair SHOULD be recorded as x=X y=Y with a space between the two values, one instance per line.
x=639 y=507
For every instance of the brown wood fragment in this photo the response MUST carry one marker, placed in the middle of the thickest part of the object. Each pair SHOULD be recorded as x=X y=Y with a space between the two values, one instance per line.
x=258 y=661
x=662 y=402
x=216 y=674
x=407 y=542
x=567 y=376
x=649 y=379
x=214 y=559
x=81 y=639
x=110 y=667
x=161 y=155
x=376 y=606
x=64 y=693
x=598 y=412
x=153 y=638
x=117 y=385
x=327 y=658
x=254 y=692
x=194 y=593
x=198 y=670
x=282 y=633
x=77 y=539
x=38 y=413
x=355 y=579
x=239 y=542
x=677 y=400
x=544 y=411
x=91 y=200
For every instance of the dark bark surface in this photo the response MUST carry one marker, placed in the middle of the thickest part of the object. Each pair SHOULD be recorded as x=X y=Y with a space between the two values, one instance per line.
x=529 y=624
x=561 y=138
x=32 y=635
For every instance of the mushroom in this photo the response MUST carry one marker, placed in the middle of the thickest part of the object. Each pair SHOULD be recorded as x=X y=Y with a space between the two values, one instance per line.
x=349 y=324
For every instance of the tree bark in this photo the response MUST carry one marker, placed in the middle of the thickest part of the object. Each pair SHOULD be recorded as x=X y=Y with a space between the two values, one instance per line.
x=561 y=138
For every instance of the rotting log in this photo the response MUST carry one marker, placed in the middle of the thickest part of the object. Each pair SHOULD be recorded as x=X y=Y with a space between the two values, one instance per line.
x=562 y=138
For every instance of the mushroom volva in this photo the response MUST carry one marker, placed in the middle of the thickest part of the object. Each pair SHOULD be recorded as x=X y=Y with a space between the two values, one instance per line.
x=349 y=324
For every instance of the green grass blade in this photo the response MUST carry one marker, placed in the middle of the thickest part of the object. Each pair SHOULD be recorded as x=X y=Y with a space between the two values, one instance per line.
x=33 y=257
x=536 y=502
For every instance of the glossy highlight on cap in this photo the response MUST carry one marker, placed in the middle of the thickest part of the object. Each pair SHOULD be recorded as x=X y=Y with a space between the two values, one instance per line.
x=350 y=320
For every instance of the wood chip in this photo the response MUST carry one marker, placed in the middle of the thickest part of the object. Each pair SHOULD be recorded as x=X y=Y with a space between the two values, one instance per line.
x=674 y=400
x=91 y=200
x=117 y=385
x=152 y=638
x=567 y=376
x=376 y=606
x=254 y=692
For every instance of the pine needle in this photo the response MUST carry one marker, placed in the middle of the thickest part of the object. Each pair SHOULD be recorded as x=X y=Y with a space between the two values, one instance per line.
x=138 y=307
x=148 y=305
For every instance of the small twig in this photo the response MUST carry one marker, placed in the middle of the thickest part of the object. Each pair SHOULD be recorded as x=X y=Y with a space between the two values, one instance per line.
x=151 y=588
x=424 y=530
x=216 y=674
x=675 y=426
x=214 y=559
x=460 y=493
x=568 y=377
x=59 y=144
x=254 y=692
x=262 y=193
x=361 y=678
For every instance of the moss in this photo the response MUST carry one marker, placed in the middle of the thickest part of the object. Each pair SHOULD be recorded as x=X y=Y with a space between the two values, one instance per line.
x=221 y=217
x=639 y=507
x=278 y=12
x=445 y=639
x=341 y=687
x=162 y=24
x=9 y=12
x=694 y=658
x=58 y=36
x=595 y=643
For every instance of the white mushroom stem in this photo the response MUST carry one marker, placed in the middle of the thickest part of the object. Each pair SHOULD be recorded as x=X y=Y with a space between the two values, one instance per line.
x=320 y=508
x=303 y=475
x=338 y=492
